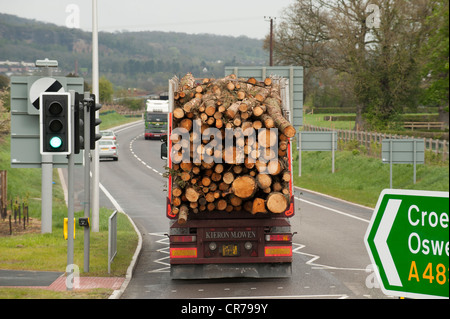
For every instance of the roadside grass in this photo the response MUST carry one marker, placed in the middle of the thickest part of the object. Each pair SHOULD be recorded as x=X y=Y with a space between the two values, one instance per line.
x=113 y=119
x=33 y=293
x=48 y=252
x=360 y=179
x=318 y=120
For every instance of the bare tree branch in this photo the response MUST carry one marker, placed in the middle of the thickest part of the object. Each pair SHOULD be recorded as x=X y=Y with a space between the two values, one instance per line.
x=382 y=60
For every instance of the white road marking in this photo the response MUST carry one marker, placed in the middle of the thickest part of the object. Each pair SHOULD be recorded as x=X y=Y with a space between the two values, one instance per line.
x=128 y=126
x=111 y=198
x=139 y=159
x=312 y=263
x=333 y=210
x=164 y=250
x=343 y=296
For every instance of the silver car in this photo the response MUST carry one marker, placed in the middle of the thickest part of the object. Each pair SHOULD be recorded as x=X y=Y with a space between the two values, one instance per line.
x=108 y=135
x=108 y=149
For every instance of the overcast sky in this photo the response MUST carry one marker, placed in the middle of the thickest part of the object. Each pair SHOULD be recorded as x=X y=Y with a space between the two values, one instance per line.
x=224 y=17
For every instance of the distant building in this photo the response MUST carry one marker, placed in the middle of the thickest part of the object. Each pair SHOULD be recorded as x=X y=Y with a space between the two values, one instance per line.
x=11 y=67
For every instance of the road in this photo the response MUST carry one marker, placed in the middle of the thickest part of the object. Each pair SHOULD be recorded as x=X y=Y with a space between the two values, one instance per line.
x=330 y=260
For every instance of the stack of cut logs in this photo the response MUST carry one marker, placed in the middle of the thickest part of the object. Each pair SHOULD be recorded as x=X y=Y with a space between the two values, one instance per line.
x=256 y=180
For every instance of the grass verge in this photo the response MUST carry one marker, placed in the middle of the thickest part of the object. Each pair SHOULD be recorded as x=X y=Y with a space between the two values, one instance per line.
x=32 y=293
x=48 y=252
x=114 y=119
x=360 y=179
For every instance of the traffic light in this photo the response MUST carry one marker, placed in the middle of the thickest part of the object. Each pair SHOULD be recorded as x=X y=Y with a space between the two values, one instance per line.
x=78 y=124
x=55 y=124
x=93 y=107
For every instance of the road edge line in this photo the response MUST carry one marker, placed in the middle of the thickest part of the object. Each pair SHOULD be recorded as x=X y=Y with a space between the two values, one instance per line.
x=332 y=197
x=118 y=293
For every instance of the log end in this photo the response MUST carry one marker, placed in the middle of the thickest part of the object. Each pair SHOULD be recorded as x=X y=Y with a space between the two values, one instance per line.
x=244 y=186
x=289 y=131
x=259 y=206
x=277 y=203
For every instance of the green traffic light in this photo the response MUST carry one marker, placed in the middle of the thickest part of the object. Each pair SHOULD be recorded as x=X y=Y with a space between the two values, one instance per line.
x=55 y=142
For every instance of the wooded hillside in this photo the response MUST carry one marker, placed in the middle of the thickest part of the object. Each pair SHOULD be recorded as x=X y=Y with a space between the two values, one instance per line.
x=128 y=59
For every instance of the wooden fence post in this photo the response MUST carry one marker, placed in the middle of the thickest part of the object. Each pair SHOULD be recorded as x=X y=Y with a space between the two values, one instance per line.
x=444 y=151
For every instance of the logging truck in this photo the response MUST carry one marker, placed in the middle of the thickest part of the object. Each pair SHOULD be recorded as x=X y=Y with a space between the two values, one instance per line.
x=229 y=172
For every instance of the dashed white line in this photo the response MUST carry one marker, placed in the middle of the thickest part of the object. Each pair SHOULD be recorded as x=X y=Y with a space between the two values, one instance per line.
x=139 y=159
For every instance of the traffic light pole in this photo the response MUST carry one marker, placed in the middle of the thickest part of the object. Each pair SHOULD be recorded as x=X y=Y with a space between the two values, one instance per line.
x=96 y=92
x=46 y=186
x=70 y=203
x=46 y=194
x=87 y=179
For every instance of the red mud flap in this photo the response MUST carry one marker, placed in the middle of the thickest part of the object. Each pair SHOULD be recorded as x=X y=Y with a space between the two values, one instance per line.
x=211 y=271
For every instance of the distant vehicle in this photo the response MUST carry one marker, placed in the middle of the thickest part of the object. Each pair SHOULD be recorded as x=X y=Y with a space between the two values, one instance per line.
x=108 y=135
x=108 y=149
x=156 y=118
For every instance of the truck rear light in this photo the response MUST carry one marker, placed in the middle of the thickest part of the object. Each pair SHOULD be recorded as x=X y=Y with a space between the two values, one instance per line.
x=277 y=251
x=183 y=252
x=183 y=239
x=279 y=237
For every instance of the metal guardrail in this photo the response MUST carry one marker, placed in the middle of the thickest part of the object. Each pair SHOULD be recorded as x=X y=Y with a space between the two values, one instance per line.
x=112 y=239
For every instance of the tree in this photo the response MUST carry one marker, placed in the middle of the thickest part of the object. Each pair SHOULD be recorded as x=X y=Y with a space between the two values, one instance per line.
x=436 y=53
x=375 y=42
x=105 y=90
x=4 y=82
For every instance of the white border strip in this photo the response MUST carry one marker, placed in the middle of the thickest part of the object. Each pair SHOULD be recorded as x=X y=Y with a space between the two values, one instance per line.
x=333 y=210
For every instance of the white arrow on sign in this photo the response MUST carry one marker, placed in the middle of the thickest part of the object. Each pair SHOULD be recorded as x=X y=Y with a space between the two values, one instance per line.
x=380 y=242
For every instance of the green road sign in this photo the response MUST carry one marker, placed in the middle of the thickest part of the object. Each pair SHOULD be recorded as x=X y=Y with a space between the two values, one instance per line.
x=408 y=241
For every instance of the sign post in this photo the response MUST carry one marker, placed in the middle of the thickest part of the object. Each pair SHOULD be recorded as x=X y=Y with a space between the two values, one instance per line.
x=408 y=241
x=410 y=151
x=316 y=141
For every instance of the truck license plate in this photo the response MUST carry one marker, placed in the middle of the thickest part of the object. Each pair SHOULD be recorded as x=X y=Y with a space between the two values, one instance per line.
x=230 y=250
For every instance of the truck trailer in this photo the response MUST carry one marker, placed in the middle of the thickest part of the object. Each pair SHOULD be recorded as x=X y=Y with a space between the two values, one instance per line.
x=229 y=175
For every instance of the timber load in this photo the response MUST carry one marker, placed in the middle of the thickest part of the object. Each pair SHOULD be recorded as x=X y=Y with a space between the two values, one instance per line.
x=252 y=173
